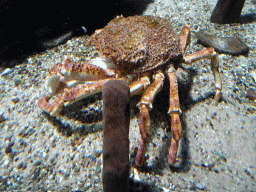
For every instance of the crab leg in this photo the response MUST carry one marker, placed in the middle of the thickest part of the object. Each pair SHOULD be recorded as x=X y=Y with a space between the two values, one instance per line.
x=145 y=105
x=68 y=71
x=137 y=87
x=208 y=53
x=184 y=37
x=174 y=111
x=69 y=96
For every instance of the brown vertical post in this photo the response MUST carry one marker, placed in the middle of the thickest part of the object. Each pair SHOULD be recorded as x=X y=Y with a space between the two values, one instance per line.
x=116 y=121
x=227 y=11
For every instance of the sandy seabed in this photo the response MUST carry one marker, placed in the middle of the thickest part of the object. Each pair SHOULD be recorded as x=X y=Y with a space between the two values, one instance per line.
x=217 y=149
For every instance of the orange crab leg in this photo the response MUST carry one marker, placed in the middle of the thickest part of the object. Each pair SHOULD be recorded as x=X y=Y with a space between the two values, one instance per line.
x=211 y=54
x=145 y=105
x=137 y=87
x=184 y=37
x=70 y=95
x=174 y=111
x=69 y=71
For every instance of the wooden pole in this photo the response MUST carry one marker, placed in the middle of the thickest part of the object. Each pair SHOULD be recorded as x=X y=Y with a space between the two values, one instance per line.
x=227 y=11
x=116 y=121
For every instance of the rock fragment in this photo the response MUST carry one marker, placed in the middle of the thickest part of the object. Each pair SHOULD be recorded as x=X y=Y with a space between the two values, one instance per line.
x=116 y=121
x=229 y=45
x=15 y=100
x=2 y=118
x=251 y=94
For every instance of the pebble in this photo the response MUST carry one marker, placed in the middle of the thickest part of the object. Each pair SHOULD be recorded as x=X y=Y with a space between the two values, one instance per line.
x=2 y=118
x=52 y=159
x=76 y=168
x=216 y=170
x=98 y=167
x=20 y=165
x=37 y=163
x=210 y=161
x=53 y=144
x=192 y=186
x=249 y=173
x=200 y=186
x=22 y=134
x=15 y=99
x=1 y=90
x=9 y=148
x=253 y=75
x=29 y=132
x=251 y=94
x=6 y=72
x=98 y=153
x=17 y=81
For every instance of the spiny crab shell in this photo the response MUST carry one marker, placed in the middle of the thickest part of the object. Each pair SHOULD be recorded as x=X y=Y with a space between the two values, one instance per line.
x=137 y=44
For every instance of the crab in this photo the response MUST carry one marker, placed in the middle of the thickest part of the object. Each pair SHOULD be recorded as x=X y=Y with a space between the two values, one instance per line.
x=143 y=50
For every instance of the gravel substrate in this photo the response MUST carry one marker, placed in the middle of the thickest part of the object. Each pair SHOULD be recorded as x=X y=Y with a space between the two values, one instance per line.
x=217 y=150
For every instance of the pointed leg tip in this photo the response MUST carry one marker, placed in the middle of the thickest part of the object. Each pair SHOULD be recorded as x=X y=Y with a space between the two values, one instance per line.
x=172 y=155
x=217 y=97
x=140 y=156
x=171 y=158
x=139 y=159
x=138 y=163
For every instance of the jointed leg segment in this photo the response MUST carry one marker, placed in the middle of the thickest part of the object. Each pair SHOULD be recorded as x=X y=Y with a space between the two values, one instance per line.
x=211 y=54
x=70 y=95
x=184 y=37
x=202 y=54
x=145 y=105
x=140 y=85
x=174 y=111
